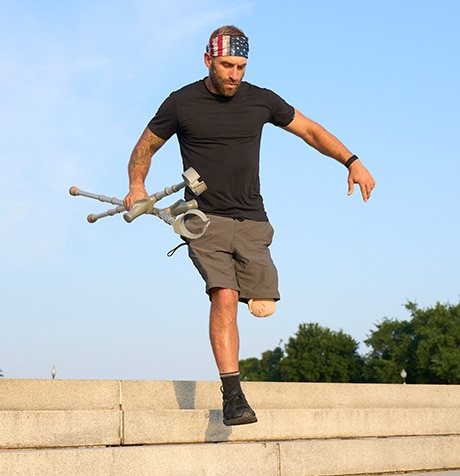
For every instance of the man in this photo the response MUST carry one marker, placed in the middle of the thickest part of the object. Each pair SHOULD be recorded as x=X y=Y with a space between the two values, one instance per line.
x=218 y=122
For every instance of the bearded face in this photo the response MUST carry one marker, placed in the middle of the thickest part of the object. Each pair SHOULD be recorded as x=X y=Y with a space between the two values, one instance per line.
x=226 y=76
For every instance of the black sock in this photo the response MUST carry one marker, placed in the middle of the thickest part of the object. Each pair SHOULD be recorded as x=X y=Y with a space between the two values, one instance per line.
x=230 y=382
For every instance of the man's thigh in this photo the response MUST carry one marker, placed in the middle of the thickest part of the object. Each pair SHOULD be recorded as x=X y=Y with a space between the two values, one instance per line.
x=256 y=273
x=212 y=254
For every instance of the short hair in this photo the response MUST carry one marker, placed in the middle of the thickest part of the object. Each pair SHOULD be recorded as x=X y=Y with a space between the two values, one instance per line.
x=227 y=30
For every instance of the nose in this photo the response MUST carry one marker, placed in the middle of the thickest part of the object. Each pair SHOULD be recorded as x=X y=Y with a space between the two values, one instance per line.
x=235 y=74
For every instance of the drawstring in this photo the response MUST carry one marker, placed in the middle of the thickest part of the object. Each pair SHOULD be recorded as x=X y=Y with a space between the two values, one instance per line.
x=171 y=252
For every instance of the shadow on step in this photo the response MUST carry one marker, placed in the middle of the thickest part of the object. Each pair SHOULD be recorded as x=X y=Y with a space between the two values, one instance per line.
x=216 y=431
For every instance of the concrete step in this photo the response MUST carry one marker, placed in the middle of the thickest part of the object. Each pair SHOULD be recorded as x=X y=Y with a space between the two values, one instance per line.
x=144 y=427
x=52 y=414
x=191 y=395
x=79 y=428
x=296 y=458
x=200 y=426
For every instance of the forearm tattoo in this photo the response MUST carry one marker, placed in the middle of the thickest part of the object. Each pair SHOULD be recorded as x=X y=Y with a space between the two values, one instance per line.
x=147 y=145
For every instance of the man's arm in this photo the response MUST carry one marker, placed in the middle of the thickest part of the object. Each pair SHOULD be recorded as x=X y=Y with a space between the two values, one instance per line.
x=139 y=165
x=323 y=141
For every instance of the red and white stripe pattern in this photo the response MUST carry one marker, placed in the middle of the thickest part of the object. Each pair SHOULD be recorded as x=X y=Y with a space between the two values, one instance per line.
x=227 y=45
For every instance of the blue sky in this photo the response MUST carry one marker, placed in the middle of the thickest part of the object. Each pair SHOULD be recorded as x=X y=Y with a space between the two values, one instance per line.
x=78 y=83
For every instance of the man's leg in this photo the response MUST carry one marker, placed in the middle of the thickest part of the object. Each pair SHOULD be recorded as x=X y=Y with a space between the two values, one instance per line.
x=262 y=307
x=223 y=331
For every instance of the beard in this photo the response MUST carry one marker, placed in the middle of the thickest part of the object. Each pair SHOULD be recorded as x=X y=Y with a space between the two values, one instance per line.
x=219 y=83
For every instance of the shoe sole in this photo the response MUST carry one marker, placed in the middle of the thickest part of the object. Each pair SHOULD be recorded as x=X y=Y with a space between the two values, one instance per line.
x=245 y=419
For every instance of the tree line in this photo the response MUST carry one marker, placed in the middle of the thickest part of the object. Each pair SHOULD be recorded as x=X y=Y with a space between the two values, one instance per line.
x=426 y=346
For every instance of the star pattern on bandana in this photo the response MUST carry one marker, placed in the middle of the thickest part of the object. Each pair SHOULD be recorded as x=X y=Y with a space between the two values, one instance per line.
x=239 y=46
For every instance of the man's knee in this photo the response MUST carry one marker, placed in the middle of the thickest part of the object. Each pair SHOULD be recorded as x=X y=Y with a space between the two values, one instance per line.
x=261 y=307
x=216 y=294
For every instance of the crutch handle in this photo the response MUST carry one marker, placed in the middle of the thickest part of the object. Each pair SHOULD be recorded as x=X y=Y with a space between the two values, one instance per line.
x=139 y=207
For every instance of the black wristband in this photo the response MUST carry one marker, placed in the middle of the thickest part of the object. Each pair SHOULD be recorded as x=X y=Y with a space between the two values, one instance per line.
x=351 y=160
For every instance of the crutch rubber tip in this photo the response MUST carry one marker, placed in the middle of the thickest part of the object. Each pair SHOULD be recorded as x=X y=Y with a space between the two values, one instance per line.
x=74 y=191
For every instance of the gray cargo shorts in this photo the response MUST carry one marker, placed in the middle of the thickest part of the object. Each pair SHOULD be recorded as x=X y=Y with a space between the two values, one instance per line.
x=234 y=254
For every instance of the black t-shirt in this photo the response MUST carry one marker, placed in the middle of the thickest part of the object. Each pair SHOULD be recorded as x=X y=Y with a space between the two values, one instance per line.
x=220 y=138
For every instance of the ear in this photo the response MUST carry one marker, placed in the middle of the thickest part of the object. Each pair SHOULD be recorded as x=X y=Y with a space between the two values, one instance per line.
x=207 y=60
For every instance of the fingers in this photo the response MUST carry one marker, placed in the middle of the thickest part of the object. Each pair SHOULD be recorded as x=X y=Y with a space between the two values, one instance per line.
x=351 y=186
x=365 y=192
x=132 y=197
x=128 y=201
x=366 y=189
x=364 y=179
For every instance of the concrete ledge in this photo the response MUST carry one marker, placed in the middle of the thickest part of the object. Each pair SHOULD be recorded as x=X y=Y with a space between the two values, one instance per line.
x=255 y=459
x=176 y=428
x=187 y=395
x=21 y=394
x=57 y=429
x=369 y=456
x=201 y=426
x=299 y=458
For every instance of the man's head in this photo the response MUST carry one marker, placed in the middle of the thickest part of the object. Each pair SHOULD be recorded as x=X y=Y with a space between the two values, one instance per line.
x=225 y=57
x=228 y=41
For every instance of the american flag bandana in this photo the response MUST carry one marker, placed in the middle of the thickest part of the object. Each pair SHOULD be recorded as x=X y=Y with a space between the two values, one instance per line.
x=226 y=45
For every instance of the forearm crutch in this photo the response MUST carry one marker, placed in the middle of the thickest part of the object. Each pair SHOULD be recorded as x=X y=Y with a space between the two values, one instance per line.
x=169 y=215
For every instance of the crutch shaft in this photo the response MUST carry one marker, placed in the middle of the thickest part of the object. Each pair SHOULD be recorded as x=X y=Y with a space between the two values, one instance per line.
x=75 y=191
x=113 y=211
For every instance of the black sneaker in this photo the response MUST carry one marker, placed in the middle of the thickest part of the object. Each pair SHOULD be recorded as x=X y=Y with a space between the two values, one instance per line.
x=237 y=410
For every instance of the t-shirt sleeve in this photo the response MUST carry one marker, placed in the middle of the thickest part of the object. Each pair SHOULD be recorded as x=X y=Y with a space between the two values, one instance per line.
x=164 y=123
x=282 y=112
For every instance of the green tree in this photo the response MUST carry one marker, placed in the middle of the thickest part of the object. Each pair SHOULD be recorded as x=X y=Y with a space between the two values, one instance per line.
x=318 y=354
x=314 y=354
x=393 y=348
x=267 y=369
x=427 y=346
x=437 y=332
x=250 y=369
x=270 y=364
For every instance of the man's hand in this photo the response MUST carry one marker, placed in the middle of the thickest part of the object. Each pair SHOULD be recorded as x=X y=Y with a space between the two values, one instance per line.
x=135 y=193
x=358 y=174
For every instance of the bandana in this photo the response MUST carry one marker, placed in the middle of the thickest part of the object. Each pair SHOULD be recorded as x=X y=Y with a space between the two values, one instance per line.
x=226 y=45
